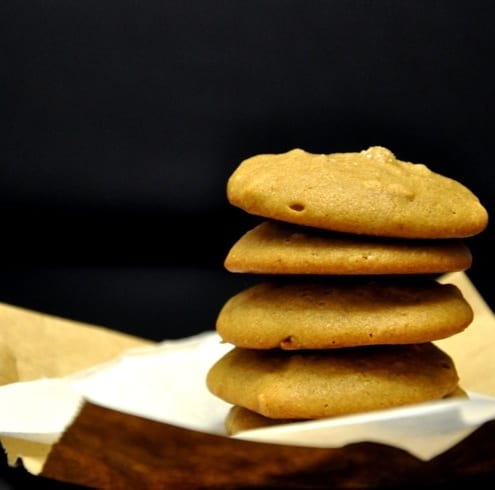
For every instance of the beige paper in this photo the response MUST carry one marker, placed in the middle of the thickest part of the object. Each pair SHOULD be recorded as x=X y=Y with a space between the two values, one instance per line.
x=473 y=350
x=8 y=365
x=32 y=454
x=35 y=345
x=48 y=346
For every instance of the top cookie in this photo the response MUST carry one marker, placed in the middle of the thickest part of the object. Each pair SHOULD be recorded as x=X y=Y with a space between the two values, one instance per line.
x=368 y=192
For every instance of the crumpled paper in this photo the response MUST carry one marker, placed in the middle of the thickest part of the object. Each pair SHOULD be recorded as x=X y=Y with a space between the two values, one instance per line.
x=166 y=382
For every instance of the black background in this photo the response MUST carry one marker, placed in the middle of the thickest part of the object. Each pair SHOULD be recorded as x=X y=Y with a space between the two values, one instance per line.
x=120 y=123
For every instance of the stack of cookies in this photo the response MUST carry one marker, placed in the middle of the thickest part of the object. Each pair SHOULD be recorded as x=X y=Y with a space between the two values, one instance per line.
x=347 y=306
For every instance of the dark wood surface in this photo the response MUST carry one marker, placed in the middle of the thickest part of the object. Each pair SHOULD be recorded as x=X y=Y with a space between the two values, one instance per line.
x=108 y=449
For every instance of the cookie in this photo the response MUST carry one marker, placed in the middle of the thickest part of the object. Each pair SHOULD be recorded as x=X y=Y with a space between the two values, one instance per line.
x=368 y=192
x=307 y=313
x=314 y=384
x=275 y=247
x=240 y=419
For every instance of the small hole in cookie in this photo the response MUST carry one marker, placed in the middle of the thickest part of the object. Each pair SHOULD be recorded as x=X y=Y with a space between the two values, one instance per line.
x=297 y=206
x=287 y=342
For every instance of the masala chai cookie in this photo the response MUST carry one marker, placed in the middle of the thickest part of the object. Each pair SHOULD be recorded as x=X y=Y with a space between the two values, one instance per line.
x=325 y=383
x=275 y=247
x=368 y=192
x=331 y=313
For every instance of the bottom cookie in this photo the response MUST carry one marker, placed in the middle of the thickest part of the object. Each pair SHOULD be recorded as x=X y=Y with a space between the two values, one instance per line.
x=240 y=419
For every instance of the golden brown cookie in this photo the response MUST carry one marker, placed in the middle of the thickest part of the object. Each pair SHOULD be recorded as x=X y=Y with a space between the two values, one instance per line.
x=307 y=313
x=275 y=247
x=314 y=384
x=240 y=419
x=368 y=192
